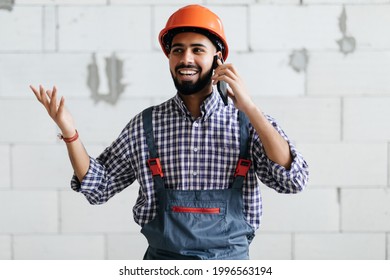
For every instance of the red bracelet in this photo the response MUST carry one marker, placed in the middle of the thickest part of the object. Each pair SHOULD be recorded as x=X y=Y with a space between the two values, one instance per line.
x=69 y=139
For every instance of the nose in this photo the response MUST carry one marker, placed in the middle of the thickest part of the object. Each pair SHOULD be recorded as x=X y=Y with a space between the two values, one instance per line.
x=187 y=57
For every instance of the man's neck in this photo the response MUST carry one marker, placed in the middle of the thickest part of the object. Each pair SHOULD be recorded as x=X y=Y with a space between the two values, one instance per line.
x=194 y=101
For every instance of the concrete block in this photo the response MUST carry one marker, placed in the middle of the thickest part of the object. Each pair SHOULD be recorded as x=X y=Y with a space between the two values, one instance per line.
x=359 y=127
x=130 y=246
x=28 y=212
x=273 y=246
x=41 y=166
x=310 y=27
x=363 y=73
x=23 y=31
x=34 y=125
x=59 y=247
x=368 y=24
x=147 y=75
x=269 y=74
x=5 y=167
x=69 y=72
x=313 y=210
x=91 y=28
x=5 y=247
x=305 y=119
x=49 y=28
x=346 y=165
x=365 y=210
x=340 y=246
x=116 y=216
x=102 y=122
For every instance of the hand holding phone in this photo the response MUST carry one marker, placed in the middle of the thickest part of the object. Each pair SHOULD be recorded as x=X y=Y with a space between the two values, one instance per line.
x=221 y=85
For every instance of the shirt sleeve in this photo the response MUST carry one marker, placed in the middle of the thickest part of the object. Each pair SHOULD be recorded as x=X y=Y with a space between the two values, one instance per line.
x=275 y=176
x=108 y=174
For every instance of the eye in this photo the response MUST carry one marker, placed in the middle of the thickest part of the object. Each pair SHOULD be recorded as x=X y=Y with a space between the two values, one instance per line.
x=198 y=50
x=176 y=50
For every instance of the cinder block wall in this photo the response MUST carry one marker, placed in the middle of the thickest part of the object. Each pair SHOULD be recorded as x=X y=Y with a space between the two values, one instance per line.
x=320 y=67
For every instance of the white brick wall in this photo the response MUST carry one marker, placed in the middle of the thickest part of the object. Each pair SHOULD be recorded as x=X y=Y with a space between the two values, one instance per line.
x=340 y=246
x=59 y=247
x=28 y=212
x=366 y=210
x=5 y=247
x=130 y=246
x=315 y=210
x=81 y=28
x=5 y=167
x=25 y=28
x=67 y=71
x=334 y=108
x=347 y=164
x=20 y=127
x=361 y=73
x=78 y=216
x=271 y=246
x=264 y=71
x=320 y=117
x=365 y=27
x=293 y=27
x=35 y=162
x=366 y=119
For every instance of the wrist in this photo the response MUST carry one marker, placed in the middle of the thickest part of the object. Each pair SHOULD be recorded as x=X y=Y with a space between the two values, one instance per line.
x=67 y=132
x=74 y=136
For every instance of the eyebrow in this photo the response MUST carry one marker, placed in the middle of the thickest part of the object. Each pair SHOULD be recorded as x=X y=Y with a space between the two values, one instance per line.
x=192 y=45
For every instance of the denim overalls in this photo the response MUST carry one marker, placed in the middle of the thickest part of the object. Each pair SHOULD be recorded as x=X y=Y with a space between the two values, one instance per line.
x=198 y=224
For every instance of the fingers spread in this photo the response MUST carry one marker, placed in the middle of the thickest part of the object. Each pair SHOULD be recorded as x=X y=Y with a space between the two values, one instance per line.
x=36 y=92
x=53 y=102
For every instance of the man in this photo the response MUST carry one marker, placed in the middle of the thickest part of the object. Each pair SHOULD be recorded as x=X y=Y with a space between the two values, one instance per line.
x=196 y=159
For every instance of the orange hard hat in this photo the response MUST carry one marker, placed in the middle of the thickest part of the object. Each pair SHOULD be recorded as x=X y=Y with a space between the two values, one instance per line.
x=194 y=18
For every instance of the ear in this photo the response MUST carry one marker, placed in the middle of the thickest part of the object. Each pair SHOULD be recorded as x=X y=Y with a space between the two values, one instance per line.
x=220 y=56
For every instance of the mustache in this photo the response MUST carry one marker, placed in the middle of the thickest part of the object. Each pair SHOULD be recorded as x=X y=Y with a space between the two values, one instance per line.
x=187 y=66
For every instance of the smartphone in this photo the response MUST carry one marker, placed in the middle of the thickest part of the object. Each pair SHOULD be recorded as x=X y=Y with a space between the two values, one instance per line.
x=221 y=85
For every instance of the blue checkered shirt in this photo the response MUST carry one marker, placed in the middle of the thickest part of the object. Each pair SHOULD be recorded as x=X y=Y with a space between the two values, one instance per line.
x=195 y=154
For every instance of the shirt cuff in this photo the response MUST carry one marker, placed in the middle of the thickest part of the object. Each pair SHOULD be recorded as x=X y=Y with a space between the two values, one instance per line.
x=93 y=178
x=291 y=180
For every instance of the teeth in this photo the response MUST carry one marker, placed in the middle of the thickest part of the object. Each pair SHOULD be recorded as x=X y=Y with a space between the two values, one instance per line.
x=187 y=72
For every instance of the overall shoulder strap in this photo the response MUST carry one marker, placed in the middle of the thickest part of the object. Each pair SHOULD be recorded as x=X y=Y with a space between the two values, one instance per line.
x=244 y=163
x=147 y=123
x=153 y=161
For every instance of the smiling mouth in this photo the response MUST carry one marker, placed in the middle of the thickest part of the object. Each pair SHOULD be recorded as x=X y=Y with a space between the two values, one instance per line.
x=187 y=72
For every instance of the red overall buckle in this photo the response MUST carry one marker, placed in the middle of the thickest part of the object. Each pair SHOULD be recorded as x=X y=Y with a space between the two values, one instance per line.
x=242 y=168
x=155 y=167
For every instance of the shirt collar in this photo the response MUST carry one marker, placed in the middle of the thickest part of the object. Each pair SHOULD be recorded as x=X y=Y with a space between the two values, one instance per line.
x=209 y=106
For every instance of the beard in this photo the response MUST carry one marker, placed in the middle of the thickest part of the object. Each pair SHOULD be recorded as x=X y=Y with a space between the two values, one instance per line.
x=189 y=87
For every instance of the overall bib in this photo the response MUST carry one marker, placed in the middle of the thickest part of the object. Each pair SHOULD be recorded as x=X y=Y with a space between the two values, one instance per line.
x=198 y=224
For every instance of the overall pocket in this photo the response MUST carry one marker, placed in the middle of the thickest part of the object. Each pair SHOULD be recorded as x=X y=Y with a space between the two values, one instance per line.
x=197 y=225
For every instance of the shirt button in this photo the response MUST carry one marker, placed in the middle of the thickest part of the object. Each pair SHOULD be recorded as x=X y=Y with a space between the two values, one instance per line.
x=195 y=150
x=194 y=173
x=196 y=124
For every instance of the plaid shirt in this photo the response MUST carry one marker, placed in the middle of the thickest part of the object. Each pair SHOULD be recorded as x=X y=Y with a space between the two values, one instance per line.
x=195 y=154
